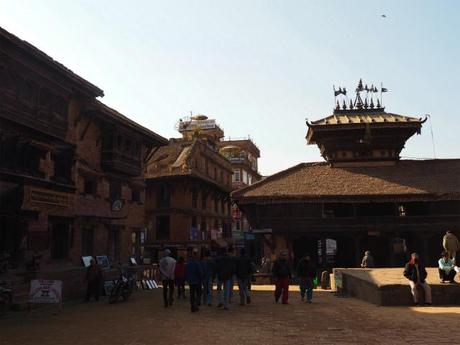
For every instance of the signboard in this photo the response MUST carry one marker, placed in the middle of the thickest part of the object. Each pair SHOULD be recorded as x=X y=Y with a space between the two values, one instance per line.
x=262 y=231
x=45 y=291
x=86 y=260
x=193 y=234
x=194 y=124
x=331 y=246
x=45 y=196
x=103 y=261
x=249 y=236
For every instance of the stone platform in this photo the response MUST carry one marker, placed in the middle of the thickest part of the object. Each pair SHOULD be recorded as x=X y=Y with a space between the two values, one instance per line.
x=388 y=286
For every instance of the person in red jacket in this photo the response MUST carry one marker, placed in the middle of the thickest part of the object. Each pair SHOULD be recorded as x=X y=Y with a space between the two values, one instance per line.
x=179 y=274
x=281 y=273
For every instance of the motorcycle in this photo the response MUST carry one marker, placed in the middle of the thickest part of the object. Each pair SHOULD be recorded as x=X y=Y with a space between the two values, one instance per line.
x=6 y=297
x=123 y=288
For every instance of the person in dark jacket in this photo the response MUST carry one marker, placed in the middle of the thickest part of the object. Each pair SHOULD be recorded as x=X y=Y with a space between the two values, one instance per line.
x=209 y=272
x=179 y=277
x=94 y=281
x=416 y=273
x=306 y=273
x=243 y=274
x=281 y=273
x=194 y=276
x=225 y=269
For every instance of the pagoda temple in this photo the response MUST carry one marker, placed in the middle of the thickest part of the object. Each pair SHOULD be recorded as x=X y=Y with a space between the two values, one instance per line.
x=362 y=197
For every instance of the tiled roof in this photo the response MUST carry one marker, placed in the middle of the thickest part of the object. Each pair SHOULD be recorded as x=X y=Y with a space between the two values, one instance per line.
x=117 y=116
x=170 y=160
x=40 y=55
x=364 y=117
x=413 y=179
x=173 y=160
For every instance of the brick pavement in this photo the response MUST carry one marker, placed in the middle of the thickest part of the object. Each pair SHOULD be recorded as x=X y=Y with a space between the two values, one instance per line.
x=143 y=320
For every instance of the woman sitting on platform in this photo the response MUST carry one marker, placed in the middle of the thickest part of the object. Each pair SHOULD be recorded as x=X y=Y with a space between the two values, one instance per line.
x=416 y=273
x=446 y=268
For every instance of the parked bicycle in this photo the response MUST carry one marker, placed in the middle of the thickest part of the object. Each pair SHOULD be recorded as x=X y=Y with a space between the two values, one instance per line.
x=123 y=288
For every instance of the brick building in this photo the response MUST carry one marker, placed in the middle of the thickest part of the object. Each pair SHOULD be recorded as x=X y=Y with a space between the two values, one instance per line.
x=71 y=168
x=364 y=197
x=188 y=186
x=243 y=154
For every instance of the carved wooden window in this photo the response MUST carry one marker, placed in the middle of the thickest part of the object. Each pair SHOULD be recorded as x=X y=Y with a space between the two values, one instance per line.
x=115 y=189
x=87 y=241
x=136 y=194
x=90 y=186
x=204 y=200
x=194 y=198
x=164 y=197
x=216 y=204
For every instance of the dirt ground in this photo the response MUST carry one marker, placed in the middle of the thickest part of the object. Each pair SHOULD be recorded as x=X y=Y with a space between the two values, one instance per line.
x=143 y=320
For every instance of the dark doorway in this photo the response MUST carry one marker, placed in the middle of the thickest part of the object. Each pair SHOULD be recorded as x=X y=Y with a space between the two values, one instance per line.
x=60 y=239
x=306 y=245
x=379 y=247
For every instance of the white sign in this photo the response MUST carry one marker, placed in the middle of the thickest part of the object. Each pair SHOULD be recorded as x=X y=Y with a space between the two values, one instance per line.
x=45 y=291
x=202 y=124
x=331 y=246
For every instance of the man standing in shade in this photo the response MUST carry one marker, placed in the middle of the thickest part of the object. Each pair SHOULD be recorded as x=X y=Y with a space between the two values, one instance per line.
x=281 y=273
x=306 y=273
x=194 y=274
x=209 y=271
x=94 y=281
x=167 y=265
x=225 y=268
x=243 y=275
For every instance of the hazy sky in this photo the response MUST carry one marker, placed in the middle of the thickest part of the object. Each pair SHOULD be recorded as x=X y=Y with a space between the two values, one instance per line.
x=259 y=67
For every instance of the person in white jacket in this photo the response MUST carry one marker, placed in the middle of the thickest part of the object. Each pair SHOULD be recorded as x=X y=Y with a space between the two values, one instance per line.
x=167 y=265
x=446 y=268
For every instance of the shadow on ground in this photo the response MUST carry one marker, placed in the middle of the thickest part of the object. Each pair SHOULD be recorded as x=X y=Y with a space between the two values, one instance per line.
x=143 y=320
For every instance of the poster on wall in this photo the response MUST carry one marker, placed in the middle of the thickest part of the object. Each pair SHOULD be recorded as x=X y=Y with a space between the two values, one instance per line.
x=45 y=291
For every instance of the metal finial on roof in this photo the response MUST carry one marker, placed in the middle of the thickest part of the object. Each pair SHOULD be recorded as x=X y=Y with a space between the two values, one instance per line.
x=351 y=105
x=372 y=103
x=365 y=104
x=360 y=85
x=344 y=105
x=337 y=106
x=378 y=103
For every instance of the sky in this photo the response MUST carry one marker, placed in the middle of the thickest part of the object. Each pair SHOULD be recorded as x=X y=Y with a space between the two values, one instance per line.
x=260 y=68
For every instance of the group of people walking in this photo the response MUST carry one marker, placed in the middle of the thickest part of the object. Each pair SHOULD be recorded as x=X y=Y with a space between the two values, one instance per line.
x=200 y=274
